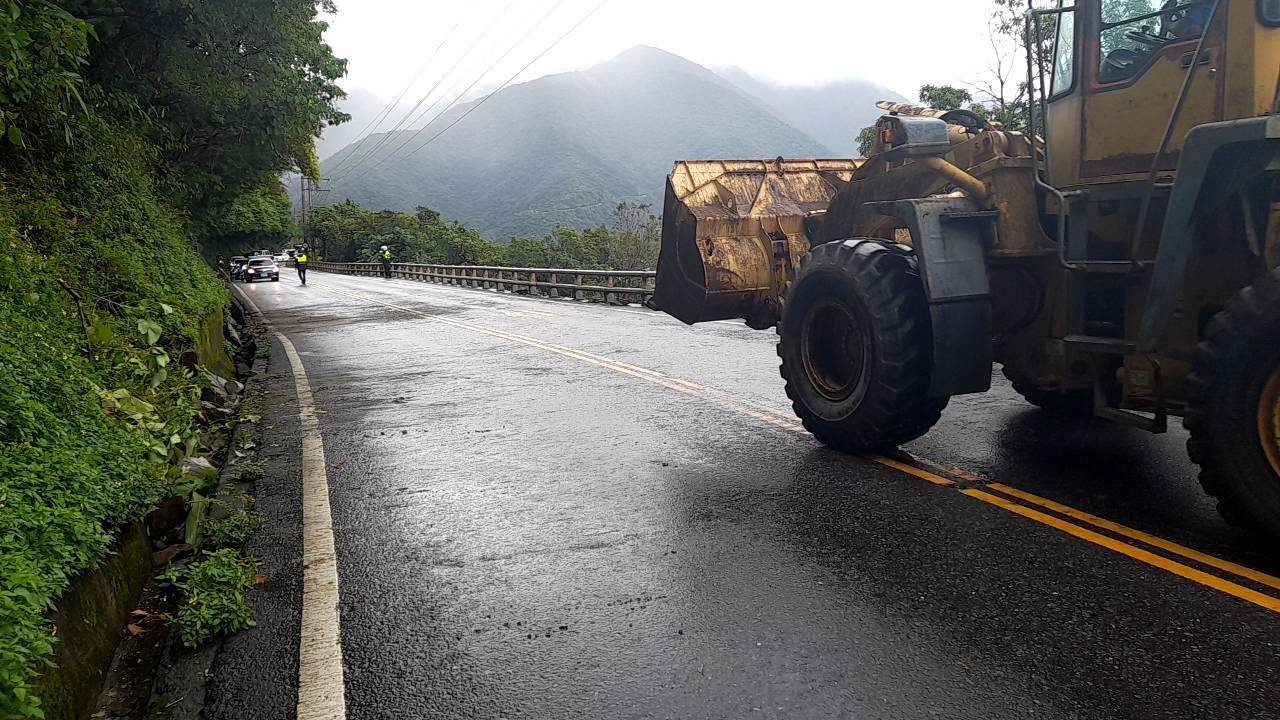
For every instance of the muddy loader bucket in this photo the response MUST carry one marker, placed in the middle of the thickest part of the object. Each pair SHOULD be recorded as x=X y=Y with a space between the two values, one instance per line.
x=732 y=230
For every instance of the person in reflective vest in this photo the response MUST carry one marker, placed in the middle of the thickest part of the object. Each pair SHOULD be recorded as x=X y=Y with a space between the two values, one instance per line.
x=300 y=262
x=384 y=254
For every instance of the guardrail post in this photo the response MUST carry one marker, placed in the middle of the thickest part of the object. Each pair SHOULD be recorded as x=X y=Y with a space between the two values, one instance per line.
x=533 y=284
x=609 y=298
x=553 y=292
x=577 y=280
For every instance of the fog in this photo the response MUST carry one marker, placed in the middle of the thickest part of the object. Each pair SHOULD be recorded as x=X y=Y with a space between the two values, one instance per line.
x=804 y=42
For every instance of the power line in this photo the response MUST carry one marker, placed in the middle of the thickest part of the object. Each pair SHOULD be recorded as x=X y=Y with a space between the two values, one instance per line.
x=475 y=106
x=543 y=211
x=382 y=115
x=387 y=135
x=454 y=86
x=509 y=80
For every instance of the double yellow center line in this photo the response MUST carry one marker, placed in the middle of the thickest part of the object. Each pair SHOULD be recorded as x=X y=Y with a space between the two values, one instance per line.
x=1135 y=544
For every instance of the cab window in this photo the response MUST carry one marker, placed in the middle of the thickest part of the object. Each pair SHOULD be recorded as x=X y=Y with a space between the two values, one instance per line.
x=1135 y=30
x=1064 y=54
x=1269 y=12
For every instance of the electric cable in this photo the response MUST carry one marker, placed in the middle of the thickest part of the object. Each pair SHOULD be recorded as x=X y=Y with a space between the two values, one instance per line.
x=386 y=110
x=387 y=135
x=475 y=106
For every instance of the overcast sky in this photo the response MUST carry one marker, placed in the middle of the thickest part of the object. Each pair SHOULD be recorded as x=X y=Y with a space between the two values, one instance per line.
x=899 y=44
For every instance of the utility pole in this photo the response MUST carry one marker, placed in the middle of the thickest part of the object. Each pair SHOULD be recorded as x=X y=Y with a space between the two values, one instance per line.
x=307 y=203
x=302 y=205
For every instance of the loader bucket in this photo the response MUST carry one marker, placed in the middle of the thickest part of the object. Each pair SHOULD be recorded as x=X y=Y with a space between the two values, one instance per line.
x=732 y=230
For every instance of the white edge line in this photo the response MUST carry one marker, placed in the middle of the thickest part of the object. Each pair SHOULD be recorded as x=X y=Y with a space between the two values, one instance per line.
x=321 y=687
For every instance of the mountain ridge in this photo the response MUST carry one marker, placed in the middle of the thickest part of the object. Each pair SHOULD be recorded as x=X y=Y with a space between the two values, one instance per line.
x=563 y=149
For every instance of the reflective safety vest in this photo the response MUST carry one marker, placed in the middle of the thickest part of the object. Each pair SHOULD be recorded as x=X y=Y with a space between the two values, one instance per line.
x=301 y=259
x=386 y=254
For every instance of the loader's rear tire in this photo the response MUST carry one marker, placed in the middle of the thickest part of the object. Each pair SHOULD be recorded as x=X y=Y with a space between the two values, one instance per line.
x=1233 y=408
x=1073 y=403
x=857 y=346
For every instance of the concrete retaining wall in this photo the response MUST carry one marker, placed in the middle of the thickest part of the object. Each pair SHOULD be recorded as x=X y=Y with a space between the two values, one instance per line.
x=89 y=621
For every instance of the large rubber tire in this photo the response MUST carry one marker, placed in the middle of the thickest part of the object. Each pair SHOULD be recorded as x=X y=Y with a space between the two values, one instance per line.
x=857 y=346
x=1235 y=367
x=1073 y=403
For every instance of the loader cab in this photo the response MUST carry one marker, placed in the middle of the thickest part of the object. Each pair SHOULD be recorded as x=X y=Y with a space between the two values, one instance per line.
x=1117 y=68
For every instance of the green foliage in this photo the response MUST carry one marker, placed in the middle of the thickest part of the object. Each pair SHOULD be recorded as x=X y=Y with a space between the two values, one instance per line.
x=866 y=141
x=128 y=128
x=215 y=603
x=52 y=425
x=261 y=217
x=348 y=232
x=232 y=91
x=250 y=470
x=233 y=530
x=945 y=97
x=42 y=48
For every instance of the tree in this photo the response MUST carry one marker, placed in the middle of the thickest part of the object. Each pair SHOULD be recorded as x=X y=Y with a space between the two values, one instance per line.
x=1003 y=90
x=42 y=49
x=261 y=217
x=866 y=141
x=635 y=238
x=230 y=91
x=945 y=97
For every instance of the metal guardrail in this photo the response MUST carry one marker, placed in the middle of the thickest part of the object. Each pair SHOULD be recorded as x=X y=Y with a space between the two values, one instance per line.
x=619 y=285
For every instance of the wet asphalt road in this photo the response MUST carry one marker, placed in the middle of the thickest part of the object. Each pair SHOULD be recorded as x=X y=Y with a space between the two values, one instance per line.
x=525 y=532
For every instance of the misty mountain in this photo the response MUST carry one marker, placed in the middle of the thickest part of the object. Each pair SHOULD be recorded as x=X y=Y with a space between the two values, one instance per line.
x=831 y=113
x=564 y=149
x=363 y=106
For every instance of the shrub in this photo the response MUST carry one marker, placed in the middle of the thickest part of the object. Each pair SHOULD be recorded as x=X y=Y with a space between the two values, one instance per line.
x=233 y=530
x=215 y=603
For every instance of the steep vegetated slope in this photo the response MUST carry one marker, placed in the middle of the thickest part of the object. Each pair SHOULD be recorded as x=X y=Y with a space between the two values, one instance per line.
x=128 y=128
x=564 y=149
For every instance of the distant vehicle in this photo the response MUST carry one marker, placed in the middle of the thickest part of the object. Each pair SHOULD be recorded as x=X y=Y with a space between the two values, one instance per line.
x=236 y=268
x=282 y=257
x=261 y=268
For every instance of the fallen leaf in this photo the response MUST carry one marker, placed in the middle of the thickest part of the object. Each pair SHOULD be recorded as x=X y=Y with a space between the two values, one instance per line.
x=259 y=579
x=134 y=629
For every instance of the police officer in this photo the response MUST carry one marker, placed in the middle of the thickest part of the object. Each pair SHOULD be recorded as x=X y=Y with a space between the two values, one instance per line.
x=384 y=254
x=300 y=262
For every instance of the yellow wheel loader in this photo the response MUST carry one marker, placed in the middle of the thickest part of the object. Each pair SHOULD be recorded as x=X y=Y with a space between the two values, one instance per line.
x=1119 y=260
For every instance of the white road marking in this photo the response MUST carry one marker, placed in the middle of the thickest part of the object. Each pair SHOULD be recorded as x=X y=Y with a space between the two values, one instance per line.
x=321 y=687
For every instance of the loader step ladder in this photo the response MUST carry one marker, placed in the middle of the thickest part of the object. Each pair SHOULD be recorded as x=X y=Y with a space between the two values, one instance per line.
x=1097 y=345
